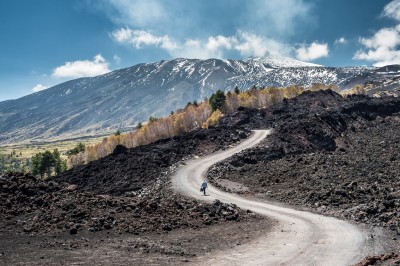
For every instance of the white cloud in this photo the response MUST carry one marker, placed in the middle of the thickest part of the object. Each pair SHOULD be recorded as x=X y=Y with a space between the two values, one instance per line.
x=220 y=42
x=382 y=48
x=85 y=68
x=392 y=10
x=385 y=38
x=247 y=44
x=39 y=87
x=254 y=45
x=313 y=51
x=215 y=47
x=341 y=40
x=139 y=38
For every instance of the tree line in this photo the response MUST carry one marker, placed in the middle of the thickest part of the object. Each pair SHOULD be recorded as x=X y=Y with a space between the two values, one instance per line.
x=194 y=115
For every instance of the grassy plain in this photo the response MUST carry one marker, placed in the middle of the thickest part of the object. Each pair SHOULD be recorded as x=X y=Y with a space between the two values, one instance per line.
x=28 y=150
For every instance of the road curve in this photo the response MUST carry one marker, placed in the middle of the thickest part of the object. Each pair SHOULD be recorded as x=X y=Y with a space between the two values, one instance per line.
x=301 y=238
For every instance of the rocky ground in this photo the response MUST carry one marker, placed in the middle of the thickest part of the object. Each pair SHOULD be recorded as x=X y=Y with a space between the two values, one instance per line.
x=121 y=205
x=112 y=247
x=336 y=156
x=360 y=181
x=42 y=207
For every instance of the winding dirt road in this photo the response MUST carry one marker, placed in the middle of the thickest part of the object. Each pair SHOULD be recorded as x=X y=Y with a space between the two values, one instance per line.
x=301 y=238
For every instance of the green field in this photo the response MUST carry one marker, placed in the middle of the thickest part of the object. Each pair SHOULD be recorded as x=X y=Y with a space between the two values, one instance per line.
x=15 y=157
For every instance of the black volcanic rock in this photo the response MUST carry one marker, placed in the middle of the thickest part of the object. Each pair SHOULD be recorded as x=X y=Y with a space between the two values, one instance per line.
x=326 y=152
x=337 y=156
x=119 y=149
x=127 y=170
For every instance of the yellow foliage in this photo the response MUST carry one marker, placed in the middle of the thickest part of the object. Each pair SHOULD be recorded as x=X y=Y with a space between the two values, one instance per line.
x=157 y=128
x=213 y=119
x=320 y=86
x=189 y=118
x=292 y=91
x=358 y=89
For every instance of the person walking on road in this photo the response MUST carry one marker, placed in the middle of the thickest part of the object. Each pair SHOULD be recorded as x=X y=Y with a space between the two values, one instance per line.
x=204 y=186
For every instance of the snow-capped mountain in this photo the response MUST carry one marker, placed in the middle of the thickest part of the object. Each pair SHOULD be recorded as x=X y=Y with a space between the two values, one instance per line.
x=279 y=62
x=122 y=98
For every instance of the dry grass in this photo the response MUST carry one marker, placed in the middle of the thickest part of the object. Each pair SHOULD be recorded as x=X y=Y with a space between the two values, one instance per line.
x=28 y=150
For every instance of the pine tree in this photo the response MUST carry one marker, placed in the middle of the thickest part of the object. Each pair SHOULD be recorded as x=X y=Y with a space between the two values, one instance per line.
x=152 y=119
x=217 y=100
x=48 y=162
x=37 y=166
x=59 y=164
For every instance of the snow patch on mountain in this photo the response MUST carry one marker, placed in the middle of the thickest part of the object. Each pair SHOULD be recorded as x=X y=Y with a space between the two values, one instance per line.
x=278 y=62
x=122 y=98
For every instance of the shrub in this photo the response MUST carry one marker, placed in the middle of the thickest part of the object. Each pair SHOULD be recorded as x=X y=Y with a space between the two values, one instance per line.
x=213 y=119
x=358 y=89
x=80 y=147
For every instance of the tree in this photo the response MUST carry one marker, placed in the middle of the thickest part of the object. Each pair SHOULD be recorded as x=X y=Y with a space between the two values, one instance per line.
x=60 y=165
x=152 y=119
x=48 y=162
x=217 y=100
x=139 y=125
x=80 y=147
x=36 y=165
x=237 y=91
x=117 y=133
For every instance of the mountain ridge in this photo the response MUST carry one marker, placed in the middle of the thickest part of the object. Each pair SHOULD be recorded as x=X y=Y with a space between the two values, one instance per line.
x=120 y=99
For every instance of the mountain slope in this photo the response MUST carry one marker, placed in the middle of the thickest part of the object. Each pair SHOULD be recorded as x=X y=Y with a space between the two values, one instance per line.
x=120 y=99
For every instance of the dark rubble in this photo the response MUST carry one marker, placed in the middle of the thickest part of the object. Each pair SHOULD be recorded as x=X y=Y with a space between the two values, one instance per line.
x=337 y=156
x=127 y=191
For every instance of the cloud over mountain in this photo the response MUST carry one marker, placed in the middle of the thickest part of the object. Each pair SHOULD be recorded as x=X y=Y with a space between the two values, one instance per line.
x=313 y=51
x=39 y=87
x=382 y=47
x=82 y=68
x=245 y=43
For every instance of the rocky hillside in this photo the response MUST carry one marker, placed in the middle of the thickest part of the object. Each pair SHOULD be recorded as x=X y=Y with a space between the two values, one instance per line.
x=122 y=98
x=103 y=194
x=334 y=155
x=337 y=156
x=121 y=209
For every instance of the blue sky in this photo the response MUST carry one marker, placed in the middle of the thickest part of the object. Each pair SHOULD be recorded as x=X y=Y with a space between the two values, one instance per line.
x=46 y=42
